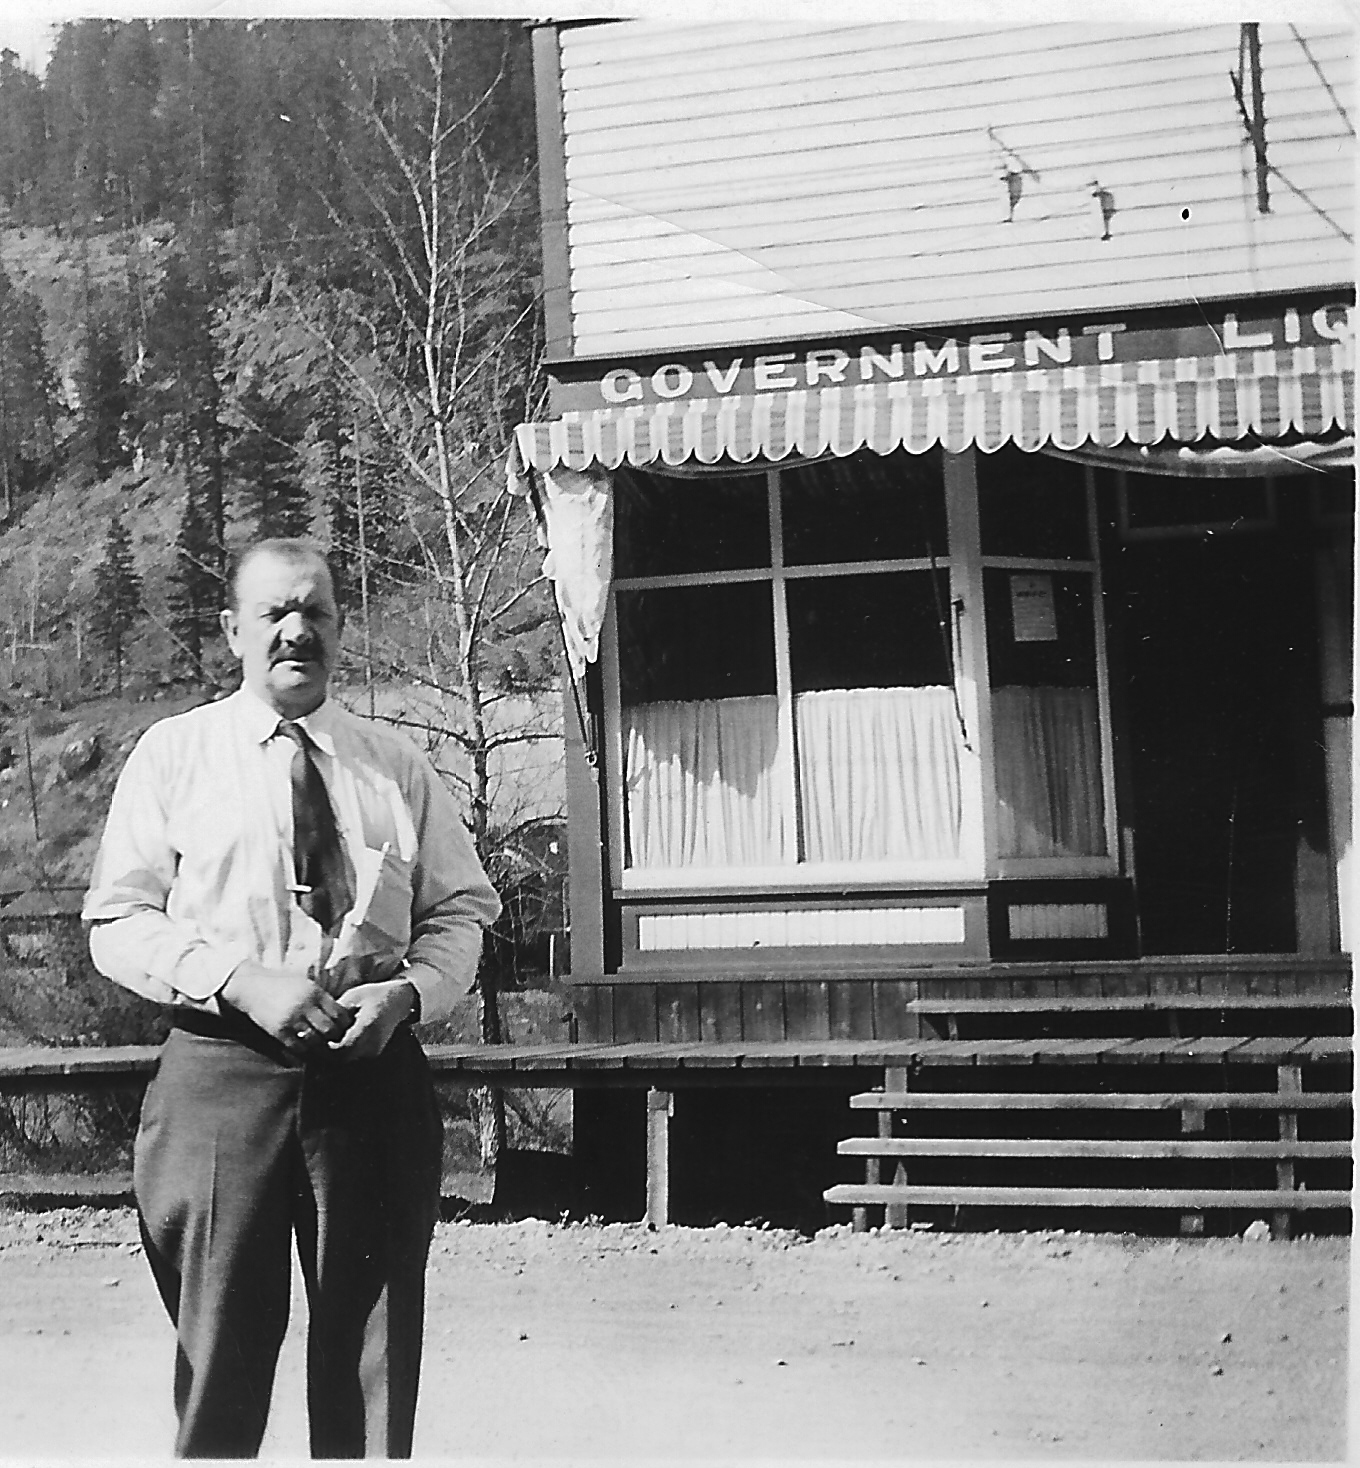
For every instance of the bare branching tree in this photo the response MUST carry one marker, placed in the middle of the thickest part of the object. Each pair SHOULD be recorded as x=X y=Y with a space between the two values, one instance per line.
x=429 y=322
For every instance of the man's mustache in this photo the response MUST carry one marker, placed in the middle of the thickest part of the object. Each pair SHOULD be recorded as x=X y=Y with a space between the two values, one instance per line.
x=297 y=652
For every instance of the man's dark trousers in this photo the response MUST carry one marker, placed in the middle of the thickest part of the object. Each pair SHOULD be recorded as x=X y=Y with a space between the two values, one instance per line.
x=239 y=1148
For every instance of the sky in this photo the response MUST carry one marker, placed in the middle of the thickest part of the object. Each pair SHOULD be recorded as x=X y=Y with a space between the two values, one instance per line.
x=24 y=28
x=27 y=26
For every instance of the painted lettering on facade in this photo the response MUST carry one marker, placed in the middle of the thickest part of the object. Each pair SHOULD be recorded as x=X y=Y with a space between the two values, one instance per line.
x=978 y=354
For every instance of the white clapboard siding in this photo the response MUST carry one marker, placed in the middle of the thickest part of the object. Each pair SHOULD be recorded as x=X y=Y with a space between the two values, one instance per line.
x=932 y=117
x=812 y=95
x=1162 y=230
x=890 y=61
x=751 y=181
x=848 y=167
x=949 y=288
x=737 y=296
x=861 y=285
x=928 y=203
x=877 y=85
x=1306 y=155
x=680 y=58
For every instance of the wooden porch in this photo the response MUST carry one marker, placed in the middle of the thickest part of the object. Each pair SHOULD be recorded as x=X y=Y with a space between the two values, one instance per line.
x=1149 y=1071
x=848 y=1001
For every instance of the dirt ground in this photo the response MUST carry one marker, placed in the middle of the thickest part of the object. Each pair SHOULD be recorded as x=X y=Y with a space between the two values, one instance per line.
x=589 y=1341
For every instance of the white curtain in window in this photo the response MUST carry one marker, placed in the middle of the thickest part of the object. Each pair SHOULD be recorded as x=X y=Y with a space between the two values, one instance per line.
x=879 y=774
x=701 y=786
x=1049 y=793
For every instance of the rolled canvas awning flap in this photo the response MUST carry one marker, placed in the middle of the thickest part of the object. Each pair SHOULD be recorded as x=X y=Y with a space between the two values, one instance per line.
x=1265 y=395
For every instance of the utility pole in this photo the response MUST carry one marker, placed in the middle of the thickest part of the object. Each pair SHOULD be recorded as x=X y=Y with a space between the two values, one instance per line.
x=1253 y=117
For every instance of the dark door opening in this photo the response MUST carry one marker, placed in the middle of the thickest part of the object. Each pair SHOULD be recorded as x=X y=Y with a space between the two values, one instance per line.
x=1224 y=729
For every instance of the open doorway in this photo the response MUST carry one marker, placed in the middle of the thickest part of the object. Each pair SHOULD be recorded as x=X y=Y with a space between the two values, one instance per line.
x=1223 y=715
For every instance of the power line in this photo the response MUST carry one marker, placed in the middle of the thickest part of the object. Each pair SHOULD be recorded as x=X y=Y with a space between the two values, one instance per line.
x=1312 y=61
x=1316 y=208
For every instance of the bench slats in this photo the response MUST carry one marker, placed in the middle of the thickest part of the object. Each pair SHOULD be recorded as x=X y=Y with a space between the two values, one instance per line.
x=1070 y=1147
x=37 y=1061
x=1089 y=1004
x=555 y=1063
x=1190 y=1199
x=1099 y=1100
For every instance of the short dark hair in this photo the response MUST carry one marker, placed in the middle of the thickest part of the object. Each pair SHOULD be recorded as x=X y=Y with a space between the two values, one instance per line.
x=294 y=550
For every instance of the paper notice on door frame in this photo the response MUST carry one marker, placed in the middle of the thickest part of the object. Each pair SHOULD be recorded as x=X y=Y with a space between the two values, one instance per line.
x=1034 y=614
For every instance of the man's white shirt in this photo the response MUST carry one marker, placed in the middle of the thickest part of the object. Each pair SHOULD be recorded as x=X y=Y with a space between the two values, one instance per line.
x=194 y=875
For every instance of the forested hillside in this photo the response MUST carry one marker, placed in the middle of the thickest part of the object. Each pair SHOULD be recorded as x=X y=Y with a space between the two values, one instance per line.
x=269 y=278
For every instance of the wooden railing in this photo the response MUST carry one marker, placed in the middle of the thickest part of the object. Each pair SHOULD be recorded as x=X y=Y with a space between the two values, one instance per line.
x=1150 y=1091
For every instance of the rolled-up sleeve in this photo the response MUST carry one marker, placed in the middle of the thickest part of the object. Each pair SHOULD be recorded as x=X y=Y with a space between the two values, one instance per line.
x=133 y=939
x=452 y=902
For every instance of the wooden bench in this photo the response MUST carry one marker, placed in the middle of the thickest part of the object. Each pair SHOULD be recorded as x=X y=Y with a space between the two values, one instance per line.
x=656 y=1069
x=659 y=1069
x=1176 y=1009
x=899 y=1100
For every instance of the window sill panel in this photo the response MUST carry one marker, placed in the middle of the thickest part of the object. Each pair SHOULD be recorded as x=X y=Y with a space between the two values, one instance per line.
x=779 y=881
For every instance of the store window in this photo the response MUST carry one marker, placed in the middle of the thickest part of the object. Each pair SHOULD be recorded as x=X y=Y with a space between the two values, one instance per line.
x=786 y=697
x=800 y=657
x=1040 y=585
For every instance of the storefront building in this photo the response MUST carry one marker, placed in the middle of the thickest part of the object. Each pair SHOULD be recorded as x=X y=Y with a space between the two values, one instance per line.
x=948 y=484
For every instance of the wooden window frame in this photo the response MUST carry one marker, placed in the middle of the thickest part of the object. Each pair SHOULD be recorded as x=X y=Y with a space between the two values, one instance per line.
x=799 y=875
x=964 y=565
x=1107 y=865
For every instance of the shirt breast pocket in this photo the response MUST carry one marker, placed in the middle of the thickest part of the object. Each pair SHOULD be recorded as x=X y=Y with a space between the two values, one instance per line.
x=380 y=920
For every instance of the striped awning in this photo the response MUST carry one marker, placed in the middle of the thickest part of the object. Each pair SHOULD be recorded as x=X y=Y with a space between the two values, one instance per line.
x=1283 y=394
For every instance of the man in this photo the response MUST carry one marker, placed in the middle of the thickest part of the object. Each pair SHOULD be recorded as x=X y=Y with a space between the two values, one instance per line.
x=299 y=885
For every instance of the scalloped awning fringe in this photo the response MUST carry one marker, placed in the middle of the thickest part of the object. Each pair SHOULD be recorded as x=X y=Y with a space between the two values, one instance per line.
x=1264 y=395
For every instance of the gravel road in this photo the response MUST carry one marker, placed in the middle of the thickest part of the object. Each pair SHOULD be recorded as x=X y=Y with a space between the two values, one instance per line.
x=595 y=1341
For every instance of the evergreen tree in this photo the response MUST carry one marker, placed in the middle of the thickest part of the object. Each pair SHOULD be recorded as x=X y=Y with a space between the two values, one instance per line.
x=264 y=458
x=27 y=390
x=135 y=162
x=196 y=586
x=118 y=592
x=342 y=524
x=208 y=77
x=104 y=396
x=365 y=519
x=172 y=369
x=210 y=288
x=22 y=133
x=356 y=469
x=183 y=396
x=332 y=442
x=75 y=94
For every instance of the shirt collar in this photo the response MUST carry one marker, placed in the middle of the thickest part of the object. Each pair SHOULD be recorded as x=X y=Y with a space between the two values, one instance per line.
x=261 y=722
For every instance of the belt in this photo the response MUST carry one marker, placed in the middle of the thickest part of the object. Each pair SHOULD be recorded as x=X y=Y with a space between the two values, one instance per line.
x=230 y=1024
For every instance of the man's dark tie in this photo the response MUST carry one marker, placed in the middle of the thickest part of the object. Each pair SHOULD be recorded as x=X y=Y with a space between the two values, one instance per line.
x=318 y=857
